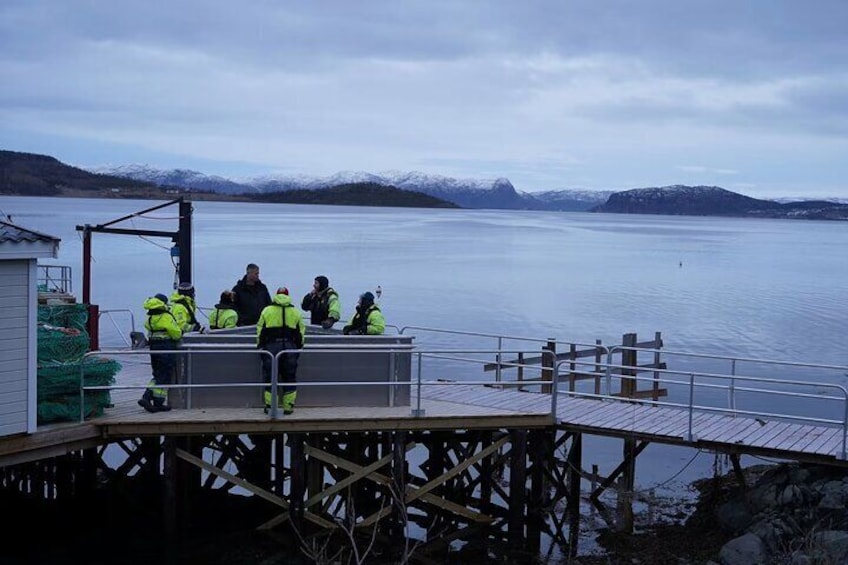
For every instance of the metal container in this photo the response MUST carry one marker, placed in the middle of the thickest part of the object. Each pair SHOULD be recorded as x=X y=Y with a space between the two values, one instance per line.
x=327 y=356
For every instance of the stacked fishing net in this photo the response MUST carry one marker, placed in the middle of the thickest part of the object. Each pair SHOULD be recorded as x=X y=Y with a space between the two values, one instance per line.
x=62 y=367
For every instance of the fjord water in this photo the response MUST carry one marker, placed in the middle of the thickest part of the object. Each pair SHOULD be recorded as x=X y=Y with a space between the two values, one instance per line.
x=774 y=289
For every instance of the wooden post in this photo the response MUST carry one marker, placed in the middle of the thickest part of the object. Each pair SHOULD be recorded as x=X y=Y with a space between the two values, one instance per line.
x=169 y=494
x=535 y=521
x=298 y=481
x=575 y=462
x=188 y=477
x=517 y=486
x=486 y=473
x=572 y=380
x=598 y=369
x=548 y=362
x=398 y=493
x=314 y=471
x=628 y=359
x=657 y=360
x=279 y=480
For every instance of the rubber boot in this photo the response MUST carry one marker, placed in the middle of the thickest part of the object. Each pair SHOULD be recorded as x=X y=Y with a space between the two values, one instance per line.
x=146 y=401
x=159 y=405
x=288 y=402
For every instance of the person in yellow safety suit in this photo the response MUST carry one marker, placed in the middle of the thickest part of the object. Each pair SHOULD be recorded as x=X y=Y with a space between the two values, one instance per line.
x=184 y=307
x=163 y=333
x=368 y=319
x=224 y=315
x=280 y=327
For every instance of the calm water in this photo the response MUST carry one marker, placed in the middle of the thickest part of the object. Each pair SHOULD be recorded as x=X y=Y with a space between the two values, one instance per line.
x=773 y=289
x=758 y=288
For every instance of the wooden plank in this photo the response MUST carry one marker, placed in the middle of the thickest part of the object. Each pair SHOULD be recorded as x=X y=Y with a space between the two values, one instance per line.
x=676 y=424
x=813 y=437
x=830 y=433
x=729 y=428
x=525 y=400
x=576 y=408
x=718 y=424
x=833 y=446
x=592 y=416
x=781 y=438
x=770 y=431
x=644 y=414
x=741 y=436
x=626 y=415
x=652 y=419
x=565 y=356
x=802 y=435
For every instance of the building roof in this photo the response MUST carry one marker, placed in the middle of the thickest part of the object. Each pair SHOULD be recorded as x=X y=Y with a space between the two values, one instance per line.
x=10 y=233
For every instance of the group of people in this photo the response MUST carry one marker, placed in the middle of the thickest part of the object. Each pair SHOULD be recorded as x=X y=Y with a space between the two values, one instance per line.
x=279 y=327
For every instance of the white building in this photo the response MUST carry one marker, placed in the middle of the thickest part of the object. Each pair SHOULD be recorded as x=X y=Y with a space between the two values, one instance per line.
x=20 y=250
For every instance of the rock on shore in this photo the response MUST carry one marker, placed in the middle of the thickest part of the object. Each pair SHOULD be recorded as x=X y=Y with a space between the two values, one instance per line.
x=793 y=513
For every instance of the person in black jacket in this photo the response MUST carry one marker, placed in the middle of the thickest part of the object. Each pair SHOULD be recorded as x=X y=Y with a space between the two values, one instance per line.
x=323 y=303
x=251 y=296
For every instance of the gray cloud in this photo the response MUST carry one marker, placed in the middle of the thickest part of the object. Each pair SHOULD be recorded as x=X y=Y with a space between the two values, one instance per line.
x=546 y=93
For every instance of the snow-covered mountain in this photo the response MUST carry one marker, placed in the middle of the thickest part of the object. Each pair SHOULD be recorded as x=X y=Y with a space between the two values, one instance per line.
x=184 y=178
x=468 y=193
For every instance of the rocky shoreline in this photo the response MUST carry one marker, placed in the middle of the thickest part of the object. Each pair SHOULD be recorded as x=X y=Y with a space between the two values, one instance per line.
x=787 y=513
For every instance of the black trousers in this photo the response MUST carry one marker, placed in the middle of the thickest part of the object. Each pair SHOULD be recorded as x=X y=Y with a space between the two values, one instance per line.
x=163 y=364
x=287 y=368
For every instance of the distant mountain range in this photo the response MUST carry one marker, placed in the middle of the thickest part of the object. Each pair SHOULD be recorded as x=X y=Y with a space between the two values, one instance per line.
x=715 y=201
x=30 y=174
x=466 y=193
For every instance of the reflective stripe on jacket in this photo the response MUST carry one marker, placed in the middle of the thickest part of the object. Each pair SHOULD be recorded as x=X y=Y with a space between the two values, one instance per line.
x=221 y=318
x=280 y=320
x=373 y=321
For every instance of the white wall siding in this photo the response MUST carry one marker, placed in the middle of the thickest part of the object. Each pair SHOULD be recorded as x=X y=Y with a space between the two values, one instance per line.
x=17 y=346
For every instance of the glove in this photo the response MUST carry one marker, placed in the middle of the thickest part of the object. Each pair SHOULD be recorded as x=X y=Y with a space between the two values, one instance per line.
x=328 y=323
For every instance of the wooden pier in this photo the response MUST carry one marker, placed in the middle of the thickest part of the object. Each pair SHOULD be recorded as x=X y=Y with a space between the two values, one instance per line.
x=501 y=458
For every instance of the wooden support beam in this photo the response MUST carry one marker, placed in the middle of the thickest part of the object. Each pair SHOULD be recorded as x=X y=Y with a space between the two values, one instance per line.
x=386 y=481
x=653 y=393
x=298 y=481
x=260 y=492
x=517 y=484
x=618 y=470
x=170 y=498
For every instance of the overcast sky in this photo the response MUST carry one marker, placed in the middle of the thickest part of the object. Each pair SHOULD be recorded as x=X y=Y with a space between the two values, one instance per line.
x=750 y=95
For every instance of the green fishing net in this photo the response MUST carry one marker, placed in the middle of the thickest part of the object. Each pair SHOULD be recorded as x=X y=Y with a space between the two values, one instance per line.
x=54 y=346
x=62 y=342
x=59 y=388
x=72 y=316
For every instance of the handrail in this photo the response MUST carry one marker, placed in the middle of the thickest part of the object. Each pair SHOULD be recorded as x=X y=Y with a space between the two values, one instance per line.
x=63 y=283
x=691 y=383
x=109 y=315
x=274 y=384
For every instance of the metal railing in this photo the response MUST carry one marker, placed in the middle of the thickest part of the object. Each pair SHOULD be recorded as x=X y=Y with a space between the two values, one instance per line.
x=110 y=315
x=418 y=382
x=691 y=390
x=501 y=340
x=818 y=397
x=55 y=278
